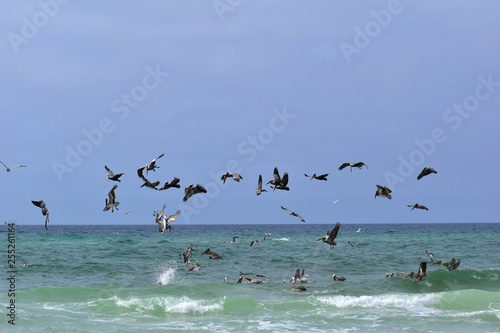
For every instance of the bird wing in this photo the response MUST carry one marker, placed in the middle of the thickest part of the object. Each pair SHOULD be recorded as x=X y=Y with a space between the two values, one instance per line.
x=344 y=165
x=200 y=189
x=334 y=232
x=276 y=175
x=110 y=173
x=421 y=270
x=140 y=174
x=259 y=183
x=111 y=194
x=284 y=180
x=323 y=175
x=38 y=203
x=153 y=161
x=173 y=217
x=422 y=173
x=359 y=165
x=6 y=167
x=288 y=210
x=174 y=182
x=19 y=166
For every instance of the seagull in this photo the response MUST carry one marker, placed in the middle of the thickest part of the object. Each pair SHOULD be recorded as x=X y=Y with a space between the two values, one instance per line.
x=111 y=203
x=383 y=191
x=296 y=280
x=358 y=165
x=450 y=265
x=45 y=211
x=147 y=183
x=330 y=238
x=165 y=222
x=336 y=201
x=318 y=177
x=173 y=183
x=9 y=169
x=428 y=254
x=191 y=190
x=418 y=207
x=421 y=272
x=152 y=166
x=259 y=189
x=112 y=176
x=293 y=214
x=236 y=177
x=338 y=278
x=359 y=230
x=266 y=234
x=233 y=241
x=426 y=171
x=278 y=182
x=255 y=241
x=354 y=247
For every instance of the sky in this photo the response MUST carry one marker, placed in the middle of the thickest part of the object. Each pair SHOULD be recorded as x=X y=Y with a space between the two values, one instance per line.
x=246 y=86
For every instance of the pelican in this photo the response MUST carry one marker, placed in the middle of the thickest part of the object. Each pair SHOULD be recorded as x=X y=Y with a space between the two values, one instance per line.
x=173 y=183
x=418 y=207
x=330 y=238
x=338 y=278
x=9 y=169
x=252 y=280
x=239 y=279
x=191 y=190
x=147 y=183
x=112 y=176
x=233 y=241
x=236 y=177
x=318 y=177
x=421 y=272
x=196 y=267
x=211 y=254
x=383 y=191
x=358 y=165
x=425 y=171
x=255 y=241
x=45 y=211
x=278 y=182
x=293 y=214
x=296 y=280
x=266 y=234
x=152 y=166
x=111 y=203
x=428 y=254
x=165 y=222
x=450 y=265
x=159 y=215
x=259 y=189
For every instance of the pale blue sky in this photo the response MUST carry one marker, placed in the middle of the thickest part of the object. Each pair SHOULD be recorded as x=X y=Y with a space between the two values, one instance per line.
x=302 y=85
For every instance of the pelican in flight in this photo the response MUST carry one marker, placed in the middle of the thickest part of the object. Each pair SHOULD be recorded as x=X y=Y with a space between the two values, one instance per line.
x=330 y=237
x=45 y=211
x=279 y=182
x=111 y=203
x=383 y=192
x=233 y=241
x=112 y=176
x=425 y=171
x=266 y=234
x=9 y=169
x=318 y=177
x=191 y=190
x=428 y=254
x=418 y=207
x=450 y=265
x=236 y=177
x=147 y=183
x=421 y=272
x=165 y=222
x=293 y=214
x=296 y=280
x=259 y=189
x=211 y=254
x=358 y=165
x=152 y=166
x=173 y=183
x=255 y=241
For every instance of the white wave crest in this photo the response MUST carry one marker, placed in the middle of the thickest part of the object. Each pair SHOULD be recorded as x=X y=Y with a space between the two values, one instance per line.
x=284 y=239
x=165 y=276
x=169 y=304
x=381 y=301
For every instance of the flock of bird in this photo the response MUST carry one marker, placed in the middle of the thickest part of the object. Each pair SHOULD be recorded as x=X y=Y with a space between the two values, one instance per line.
x=279 y=182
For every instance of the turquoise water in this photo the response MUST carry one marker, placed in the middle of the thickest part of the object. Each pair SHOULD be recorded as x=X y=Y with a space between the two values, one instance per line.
x=106 y=279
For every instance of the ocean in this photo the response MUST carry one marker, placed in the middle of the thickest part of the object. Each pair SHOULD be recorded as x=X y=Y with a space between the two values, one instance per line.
x=129 y=278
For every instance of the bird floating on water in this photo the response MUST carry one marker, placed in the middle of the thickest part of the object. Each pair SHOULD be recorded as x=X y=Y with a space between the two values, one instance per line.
x=14 y=167
x=425 y=171
x=296 y=280
x=318 y=177
x=383 y=192
x=418 y=207
x=421 y=272
x=111 y=203
x=236 y=177
x=338 y=278
x=259 y=189
x=191 y=190
x=358 y=165
x=112 y=176
x=45 y=211
x=293 y=214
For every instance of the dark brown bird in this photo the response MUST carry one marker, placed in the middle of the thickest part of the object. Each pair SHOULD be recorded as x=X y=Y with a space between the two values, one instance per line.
x=191 y=190
x=279 y=182
x=112 y=176
x=173 y=183
x=111 y=203
x=259 y=189
x=296 y=280
x=421 y=272
x=425 y=171
x=383 y=192
x=330 y=238
x=293 y=214
x=147 y=183
x=318 y=177
x=236 y=177
x=450 y=265
x=418 y=207
x=358 y=165
x=152 y=166
x=338 y=278
x=45 y=211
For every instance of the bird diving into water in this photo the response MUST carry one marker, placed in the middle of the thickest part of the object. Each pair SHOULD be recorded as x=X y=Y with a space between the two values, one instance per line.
x=318 y=177
x=112 y=176
x=418 y=207
x=425 y=171
x=358 y=165
x=383 y=192
x=45 y=211
x=450 y=265
x=165 y=222
x=191 y=190
x=9 y=169
x=111 y=203
x=236 y=177
x=293 y=214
